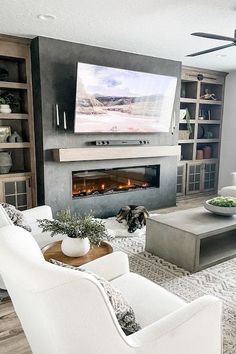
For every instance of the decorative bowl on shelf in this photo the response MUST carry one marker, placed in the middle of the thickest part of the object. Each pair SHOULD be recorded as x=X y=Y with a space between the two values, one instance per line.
x=225 y=206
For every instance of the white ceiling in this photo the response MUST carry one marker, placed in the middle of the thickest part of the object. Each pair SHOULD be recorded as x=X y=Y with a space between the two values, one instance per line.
x=159 y=28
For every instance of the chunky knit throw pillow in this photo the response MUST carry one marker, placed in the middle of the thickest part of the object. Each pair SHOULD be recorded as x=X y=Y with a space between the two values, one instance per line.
x=16 y=216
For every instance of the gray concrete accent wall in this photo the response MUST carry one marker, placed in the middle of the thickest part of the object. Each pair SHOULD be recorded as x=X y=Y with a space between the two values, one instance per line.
x=54 y=65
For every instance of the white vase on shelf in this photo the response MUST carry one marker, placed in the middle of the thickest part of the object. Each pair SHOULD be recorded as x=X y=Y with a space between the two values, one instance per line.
x=5 y=108
x=5 y=162
x=75 y=247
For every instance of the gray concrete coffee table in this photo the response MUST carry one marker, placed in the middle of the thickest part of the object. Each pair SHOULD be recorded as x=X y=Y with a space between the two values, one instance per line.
x=193 y=239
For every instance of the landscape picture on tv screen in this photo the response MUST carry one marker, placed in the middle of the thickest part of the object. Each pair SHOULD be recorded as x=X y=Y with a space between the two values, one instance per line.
x=116 y=100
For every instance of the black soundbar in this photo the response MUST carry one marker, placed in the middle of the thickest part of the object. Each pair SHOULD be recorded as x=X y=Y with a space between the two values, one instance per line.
x=119 y=142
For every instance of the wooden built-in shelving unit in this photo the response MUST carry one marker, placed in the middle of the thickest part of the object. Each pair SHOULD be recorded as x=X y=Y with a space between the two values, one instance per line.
x=18 y=187
x=10 y=116
x=201 y=130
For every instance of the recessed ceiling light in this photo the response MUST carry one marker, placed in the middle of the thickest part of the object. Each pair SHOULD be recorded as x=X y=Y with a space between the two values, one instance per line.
x=46 y=17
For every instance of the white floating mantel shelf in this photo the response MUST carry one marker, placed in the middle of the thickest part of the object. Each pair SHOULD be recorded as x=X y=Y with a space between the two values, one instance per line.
x=113 y=153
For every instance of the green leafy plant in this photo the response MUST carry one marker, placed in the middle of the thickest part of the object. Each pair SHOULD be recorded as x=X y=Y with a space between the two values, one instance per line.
x=225 y=202
x=8 y=98
x=75 y=226
x=187 y=117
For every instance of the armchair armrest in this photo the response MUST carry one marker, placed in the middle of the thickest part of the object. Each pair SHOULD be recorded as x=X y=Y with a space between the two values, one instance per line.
x=110 y=266
x=194 y=328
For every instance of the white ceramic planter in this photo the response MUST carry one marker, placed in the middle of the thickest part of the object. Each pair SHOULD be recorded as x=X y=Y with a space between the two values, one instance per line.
x=5 y=108
x=75 y=247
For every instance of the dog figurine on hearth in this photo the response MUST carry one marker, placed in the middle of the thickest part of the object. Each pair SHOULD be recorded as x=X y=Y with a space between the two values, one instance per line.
x=135 y=216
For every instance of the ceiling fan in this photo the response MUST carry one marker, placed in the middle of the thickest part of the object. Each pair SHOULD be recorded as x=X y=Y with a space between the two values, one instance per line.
x=214 y=36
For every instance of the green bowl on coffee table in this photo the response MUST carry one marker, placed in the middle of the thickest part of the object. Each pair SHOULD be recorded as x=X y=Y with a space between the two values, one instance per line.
x=225 y=206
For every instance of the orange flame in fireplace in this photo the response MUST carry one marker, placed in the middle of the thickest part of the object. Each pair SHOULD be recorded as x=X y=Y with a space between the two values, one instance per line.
x=102 y=186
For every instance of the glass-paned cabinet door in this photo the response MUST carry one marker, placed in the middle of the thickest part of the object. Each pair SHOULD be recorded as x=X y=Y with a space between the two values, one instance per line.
x=210 y=173
x=194 y=171
x=181 y=179
x=16 y=192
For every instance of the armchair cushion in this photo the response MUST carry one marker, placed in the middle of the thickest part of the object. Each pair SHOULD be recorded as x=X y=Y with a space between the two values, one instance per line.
x=149 y=301
x=123 y=311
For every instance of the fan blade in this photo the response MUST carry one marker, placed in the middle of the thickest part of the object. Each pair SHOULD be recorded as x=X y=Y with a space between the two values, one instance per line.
x=210 y=50
x=213 y=36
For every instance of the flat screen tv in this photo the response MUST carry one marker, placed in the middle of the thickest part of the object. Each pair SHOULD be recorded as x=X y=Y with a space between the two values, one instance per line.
x=111 y=100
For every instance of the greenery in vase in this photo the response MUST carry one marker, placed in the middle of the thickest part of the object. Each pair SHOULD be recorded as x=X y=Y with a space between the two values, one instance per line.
x=8 y=98
x=225 y=202
x=75 y=226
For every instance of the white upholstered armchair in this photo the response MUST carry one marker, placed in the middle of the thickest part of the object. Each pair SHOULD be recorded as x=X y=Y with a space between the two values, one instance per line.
x=30 y=218
x=65 y=311
x=229 y=191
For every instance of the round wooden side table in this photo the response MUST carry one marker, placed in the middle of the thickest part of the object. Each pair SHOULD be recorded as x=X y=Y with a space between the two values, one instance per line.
x=53 y=250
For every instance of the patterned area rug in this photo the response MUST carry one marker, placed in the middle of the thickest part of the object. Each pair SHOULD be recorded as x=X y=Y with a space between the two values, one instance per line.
x=219 y=280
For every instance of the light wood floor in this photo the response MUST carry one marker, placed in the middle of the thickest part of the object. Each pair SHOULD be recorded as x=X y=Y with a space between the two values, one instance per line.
x=12 y=338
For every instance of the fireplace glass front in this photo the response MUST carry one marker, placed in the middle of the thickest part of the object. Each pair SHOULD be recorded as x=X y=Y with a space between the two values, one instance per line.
x=116 y=180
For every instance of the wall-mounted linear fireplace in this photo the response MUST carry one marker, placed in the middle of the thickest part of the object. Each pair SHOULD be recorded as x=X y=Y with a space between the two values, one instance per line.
x=117 y=180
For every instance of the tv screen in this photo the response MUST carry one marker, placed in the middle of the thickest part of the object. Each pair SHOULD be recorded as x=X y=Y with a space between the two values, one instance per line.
x=116 y=100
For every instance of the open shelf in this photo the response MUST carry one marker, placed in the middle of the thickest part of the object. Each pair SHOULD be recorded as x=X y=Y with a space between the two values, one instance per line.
x=191 y=107
x=206 y=141
x=16 y=174
x=11 y=116
x=219 y=247
x=20 y=104
x=211 y=102
x=215 y=89
x=183 y=121
x=184 y=133
x=188 y=100
x=209 y=121
x=209 y=112
x=15 y=69
x=188 y=90
x=187 y=141
x=210 y=132
x=186 y=151
x=214 y=148
x=15 y=145
x=13 y=85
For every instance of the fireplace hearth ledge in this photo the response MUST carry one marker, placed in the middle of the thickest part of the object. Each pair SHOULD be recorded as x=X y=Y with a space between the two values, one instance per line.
x=113 y=153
